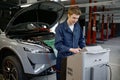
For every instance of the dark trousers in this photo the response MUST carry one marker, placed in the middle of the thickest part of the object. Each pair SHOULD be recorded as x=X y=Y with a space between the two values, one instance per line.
x=61 y=65
x=58 y=68
x=61 y=69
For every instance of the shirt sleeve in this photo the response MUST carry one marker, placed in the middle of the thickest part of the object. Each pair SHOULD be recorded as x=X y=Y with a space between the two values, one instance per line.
x=82 y=42
x=59 y=41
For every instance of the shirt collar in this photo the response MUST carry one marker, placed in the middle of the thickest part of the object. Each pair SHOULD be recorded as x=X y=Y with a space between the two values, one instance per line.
x=67 y=27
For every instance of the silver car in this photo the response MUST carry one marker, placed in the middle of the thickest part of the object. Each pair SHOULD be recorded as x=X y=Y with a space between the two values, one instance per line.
x=26 y=42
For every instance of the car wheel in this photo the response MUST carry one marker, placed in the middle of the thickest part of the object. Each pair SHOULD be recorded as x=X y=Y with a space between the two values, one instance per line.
x=12 y=69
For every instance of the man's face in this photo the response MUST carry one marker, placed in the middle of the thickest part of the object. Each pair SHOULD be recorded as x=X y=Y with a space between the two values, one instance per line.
x=73 y=18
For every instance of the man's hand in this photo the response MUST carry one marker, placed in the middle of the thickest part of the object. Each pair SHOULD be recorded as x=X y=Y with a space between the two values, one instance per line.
x=75 y=50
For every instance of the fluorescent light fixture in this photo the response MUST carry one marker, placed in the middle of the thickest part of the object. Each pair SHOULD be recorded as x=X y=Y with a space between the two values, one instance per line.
x=59 y=0
x=25 y=5
x=55 y=0
x=63 y=0
x=107 y=12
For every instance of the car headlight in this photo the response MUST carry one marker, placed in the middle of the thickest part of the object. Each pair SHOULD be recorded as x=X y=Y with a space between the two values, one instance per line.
x=32 y=50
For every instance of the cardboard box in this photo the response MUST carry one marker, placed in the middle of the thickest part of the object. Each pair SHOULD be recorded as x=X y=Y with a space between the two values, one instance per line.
x=71 y=68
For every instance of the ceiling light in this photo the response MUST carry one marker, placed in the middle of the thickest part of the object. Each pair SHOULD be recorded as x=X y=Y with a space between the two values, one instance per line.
x=25 y=5
x=59 y=0
x=64 y=0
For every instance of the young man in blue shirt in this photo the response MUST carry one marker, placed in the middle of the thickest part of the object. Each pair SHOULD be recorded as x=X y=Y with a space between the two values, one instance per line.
x=69 y=37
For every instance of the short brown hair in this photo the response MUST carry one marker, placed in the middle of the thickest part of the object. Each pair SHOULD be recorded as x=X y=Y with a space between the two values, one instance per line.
x=74 y=10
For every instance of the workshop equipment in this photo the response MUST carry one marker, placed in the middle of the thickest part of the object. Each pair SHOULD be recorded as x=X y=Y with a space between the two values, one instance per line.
x=90 y=64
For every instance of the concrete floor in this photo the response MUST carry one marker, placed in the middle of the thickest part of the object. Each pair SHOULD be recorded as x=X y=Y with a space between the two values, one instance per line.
x=114 y=45
x=49 y=77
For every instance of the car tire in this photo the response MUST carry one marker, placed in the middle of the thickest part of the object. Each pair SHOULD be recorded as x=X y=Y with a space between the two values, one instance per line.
x=12 y=69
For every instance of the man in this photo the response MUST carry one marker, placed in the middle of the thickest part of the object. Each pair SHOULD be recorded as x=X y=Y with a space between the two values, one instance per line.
x=69 y=37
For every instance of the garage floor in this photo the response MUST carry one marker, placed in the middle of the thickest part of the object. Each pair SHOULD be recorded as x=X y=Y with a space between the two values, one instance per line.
x=50 y=77
x=114 y=45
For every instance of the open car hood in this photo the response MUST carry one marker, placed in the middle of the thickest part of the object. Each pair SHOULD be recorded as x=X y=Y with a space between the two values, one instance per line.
x=45 y=13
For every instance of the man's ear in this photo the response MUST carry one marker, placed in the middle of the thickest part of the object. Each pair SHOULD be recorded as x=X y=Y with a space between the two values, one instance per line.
x=68 y=15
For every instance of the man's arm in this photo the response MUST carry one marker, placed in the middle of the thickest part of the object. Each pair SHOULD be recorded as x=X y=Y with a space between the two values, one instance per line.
x=59 y=41
x=82 y=42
